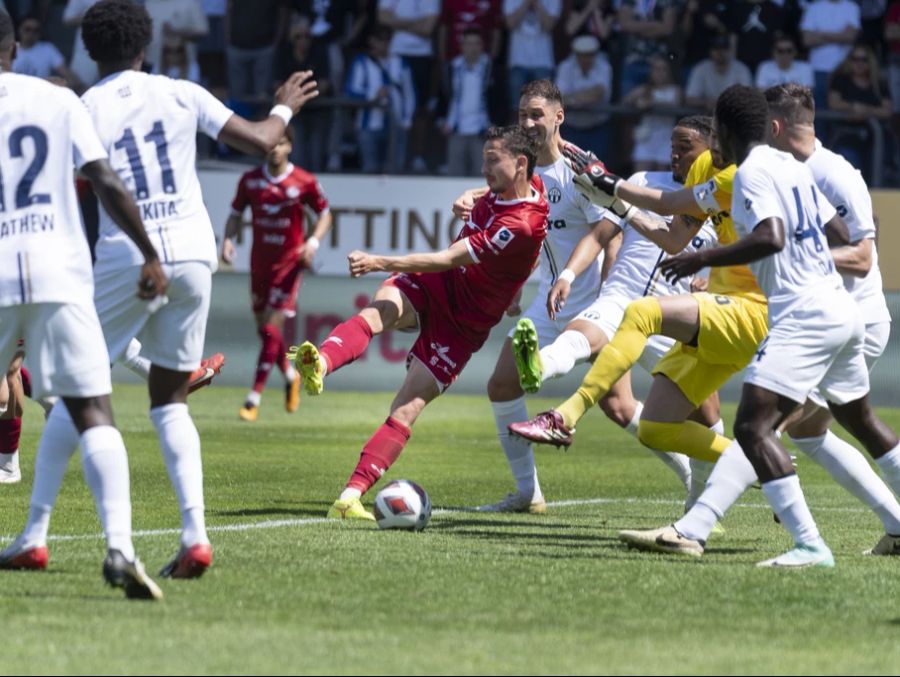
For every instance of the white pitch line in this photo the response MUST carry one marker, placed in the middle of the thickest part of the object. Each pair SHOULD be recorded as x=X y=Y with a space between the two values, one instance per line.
x=300 y=522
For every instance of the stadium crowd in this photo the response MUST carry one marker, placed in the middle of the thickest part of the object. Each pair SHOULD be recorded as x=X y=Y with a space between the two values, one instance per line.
x=412 y=85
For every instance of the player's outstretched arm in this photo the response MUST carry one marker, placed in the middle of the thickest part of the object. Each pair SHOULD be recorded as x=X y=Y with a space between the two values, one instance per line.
x=456 y=255
x=119 y=204
x=766 y=239
x=585 y=253
x=258 y=138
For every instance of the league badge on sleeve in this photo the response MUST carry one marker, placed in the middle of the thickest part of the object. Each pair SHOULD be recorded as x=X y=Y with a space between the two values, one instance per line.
x=502 y=237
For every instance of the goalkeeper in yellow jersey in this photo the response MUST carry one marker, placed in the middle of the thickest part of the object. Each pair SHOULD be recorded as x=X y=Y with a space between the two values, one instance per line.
x=718 y=331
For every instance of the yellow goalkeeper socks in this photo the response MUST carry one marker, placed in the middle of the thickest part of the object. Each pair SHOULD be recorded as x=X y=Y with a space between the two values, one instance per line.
x=643 y=319
x=688 y=437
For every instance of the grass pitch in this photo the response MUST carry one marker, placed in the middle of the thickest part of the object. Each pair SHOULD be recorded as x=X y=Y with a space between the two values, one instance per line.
x=290 y=592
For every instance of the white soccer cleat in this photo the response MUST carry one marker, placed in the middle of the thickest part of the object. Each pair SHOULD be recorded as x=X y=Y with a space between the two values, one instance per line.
x=9 y=468
x=802 y=556
x=665 y=539
x=516 y=502
x=888 y=545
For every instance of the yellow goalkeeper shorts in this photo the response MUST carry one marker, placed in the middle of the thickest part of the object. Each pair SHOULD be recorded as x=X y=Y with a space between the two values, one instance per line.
x=731 y=329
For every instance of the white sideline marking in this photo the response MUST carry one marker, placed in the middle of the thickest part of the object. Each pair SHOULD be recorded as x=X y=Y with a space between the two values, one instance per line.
x=300 y=522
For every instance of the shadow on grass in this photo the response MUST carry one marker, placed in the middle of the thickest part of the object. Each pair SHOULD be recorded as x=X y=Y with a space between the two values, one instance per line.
x=275 y=511
x=491 y=521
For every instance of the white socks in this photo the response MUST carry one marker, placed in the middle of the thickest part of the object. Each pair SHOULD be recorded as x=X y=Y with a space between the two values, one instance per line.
x=890 y=468
x=349 y=494
x=678 y=463
x=58 y=442
x=561 y=356
x=730 y=478
x=133 y=360
x=290 y=373
x=253 y=398
x=105 y=464
x=518 y=452
x=786 y=499
x=849 y=468
x=180 y=444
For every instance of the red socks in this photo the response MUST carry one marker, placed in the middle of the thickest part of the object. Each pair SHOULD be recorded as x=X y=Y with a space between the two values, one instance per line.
x=10 y=430
x=272 y=351
x=345 y=343
x=379 y=454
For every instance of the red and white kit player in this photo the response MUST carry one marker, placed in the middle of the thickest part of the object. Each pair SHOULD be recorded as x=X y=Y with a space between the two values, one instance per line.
x=452 y=297
x=277 y=193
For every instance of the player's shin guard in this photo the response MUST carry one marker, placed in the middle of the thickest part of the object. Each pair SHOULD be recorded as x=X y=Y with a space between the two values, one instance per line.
x=272 y=350
x=731 y=477
x=849 y=468
x=346 y=342
x=180 y=444
x=643 y=319
x=687 y=437
x=379 y=454
x=58 y=442
x=105 y=464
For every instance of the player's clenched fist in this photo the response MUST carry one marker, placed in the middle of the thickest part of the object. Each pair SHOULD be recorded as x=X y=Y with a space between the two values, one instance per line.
x=362 y=263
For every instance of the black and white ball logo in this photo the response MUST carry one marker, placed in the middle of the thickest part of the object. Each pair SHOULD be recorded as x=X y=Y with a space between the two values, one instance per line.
x=554 y=195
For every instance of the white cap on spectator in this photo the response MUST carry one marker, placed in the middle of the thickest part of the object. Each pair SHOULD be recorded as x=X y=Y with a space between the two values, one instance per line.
x=585 y=44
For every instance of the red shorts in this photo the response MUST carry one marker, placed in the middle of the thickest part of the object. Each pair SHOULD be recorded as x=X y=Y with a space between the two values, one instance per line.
x=440 y=347
x=276 y=289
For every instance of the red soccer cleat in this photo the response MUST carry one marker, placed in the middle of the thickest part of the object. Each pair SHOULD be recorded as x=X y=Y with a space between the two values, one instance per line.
x=204 y=374
x=189 y=562
x=545 y=428
x=18 y=557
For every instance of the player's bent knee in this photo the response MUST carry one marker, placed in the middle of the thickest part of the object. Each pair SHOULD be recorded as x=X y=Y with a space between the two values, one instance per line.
x=616 y=410
x=643 y=313
x=502 y=388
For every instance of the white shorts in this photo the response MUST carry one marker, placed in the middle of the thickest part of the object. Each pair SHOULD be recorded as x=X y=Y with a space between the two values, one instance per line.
x=64 y=348
x=607 y=313
x=814 y=347
x=876 y=340
x=173 y=336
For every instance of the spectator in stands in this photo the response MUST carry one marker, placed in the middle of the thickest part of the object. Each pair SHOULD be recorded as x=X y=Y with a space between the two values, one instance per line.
x=857 y=90
x=312 y=130
x=892 y=39
x=252 y=32
x=590 y=17
x=81 y=63
x=211 y=48
x=184 y=19
x=652 y=136
x=784 y=66
x=413 y=23
x=384 y=82
x=871 y=15
x=644 y=27
x=531 y=24
x=41 y=58
x=754 y=24
x=585 y=80
x=716 y=74
x=469 y=77
x=700 y=22
x=457 y=16
x=830 y=27
x=176 y=62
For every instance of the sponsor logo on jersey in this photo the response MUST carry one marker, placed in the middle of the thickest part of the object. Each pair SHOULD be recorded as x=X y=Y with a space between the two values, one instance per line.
x=502 y=237
x=292 y=192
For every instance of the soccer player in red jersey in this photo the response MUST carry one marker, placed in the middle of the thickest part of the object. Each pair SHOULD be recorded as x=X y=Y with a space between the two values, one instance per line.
x=15 y=385
x=277 y=194
x=453 y=297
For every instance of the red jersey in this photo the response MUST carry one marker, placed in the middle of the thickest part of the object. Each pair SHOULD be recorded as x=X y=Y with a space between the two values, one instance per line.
x=504 y=237
x=458 y=15
x=277 y=204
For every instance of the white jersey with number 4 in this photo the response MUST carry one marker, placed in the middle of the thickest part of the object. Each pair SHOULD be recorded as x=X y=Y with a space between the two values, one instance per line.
x=148 y=125
x=770 y=184
x=571 y=218
x=846 y=190
x=44 y=257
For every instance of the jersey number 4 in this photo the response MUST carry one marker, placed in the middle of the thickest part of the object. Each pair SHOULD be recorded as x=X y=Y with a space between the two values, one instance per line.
x=156 y=136
x=24 y=197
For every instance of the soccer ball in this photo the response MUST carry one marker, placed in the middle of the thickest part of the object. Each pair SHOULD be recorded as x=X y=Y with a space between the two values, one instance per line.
x=402 y=504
